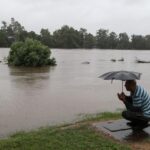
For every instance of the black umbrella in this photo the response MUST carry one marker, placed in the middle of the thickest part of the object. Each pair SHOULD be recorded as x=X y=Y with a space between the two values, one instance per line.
x=121 y=75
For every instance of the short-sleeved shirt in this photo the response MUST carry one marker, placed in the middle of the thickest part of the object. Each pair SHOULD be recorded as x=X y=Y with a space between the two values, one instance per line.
x=141 y=98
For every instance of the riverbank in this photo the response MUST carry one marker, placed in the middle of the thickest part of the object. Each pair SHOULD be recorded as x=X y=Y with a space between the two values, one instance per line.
x=77 y=136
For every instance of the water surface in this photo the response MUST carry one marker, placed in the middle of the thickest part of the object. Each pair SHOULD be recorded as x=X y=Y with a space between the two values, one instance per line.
x=35 y=97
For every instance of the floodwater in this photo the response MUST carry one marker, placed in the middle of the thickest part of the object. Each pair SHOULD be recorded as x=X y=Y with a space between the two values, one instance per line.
x=35 y=97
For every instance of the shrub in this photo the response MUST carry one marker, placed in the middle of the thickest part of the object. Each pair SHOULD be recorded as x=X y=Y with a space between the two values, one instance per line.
x=30 y=53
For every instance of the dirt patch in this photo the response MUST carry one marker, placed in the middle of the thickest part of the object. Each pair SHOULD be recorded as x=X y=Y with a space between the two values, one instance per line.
x=140 y=146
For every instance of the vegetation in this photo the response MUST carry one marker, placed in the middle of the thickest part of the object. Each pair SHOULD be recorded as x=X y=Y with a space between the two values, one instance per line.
x=30 y=53
x=100 y=116
x=79 y=136
x=68 y=37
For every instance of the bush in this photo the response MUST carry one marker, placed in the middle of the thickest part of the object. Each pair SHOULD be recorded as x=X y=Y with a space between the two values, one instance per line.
x=30 y=53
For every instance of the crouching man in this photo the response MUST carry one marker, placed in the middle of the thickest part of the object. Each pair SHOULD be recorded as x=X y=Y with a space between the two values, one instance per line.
x=137 y=105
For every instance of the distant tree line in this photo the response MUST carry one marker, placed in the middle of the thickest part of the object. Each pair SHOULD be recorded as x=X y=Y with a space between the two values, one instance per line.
x=68 y=37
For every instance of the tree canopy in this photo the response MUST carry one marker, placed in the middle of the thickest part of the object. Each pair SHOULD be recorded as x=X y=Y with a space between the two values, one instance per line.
x=68 y=37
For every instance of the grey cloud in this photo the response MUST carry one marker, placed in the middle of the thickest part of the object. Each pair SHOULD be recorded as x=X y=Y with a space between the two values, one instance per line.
x=131 y=16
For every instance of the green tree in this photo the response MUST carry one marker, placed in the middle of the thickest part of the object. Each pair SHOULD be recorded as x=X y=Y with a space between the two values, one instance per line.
x=147 y=41
x=15 y=29
x=30 y=53
x=33 y=35
x=66 y=37
x=123 y=42
x=89 y=41
x=112 y=40
x=102 y=38
x=12 y=32
x=46 y=37
x=4 y=26
x=138 y=42
x=3 y=39
x=82 y=33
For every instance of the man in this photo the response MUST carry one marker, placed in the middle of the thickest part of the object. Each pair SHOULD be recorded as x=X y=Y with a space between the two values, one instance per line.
x=137 y=104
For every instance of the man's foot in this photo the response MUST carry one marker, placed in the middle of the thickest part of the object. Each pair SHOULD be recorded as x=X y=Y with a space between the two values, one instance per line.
x=131 y=124
x=140 y=126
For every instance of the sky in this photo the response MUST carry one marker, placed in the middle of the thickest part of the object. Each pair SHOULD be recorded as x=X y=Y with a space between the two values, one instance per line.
x=130 y=16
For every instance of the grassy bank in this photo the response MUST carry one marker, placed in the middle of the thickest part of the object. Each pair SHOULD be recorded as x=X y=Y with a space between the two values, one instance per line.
x=78 y=136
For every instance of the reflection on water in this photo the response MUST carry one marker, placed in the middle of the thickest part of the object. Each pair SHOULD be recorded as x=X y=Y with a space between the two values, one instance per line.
x=27 y=74
x=34 y=97
x=17 y=71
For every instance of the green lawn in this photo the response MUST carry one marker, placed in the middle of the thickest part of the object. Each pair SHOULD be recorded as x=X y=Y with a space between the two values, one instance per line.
x=79 y=136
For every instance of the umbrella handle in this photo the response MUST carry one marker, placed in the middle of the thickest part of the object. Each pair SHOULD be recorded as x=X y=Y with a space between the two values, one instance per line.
x=122 y=86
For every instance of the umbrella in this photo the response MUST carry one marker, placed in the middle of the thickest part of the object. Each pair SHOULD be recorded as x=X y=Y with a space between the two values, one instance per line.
x=121 y=75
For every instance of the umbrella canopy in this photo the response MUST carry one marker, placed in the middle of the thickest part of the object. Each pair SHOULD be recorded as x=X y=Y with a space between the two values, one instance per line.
x=121 y=75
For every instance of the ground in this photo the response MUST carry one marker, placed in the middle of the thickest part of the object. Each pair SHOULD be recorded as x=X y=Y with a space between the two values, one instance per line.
x=77 y=136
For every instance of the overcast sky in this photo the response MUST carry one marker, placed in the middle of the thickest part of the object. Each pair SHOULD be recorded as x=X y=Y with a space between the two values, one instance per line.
x=131 y=16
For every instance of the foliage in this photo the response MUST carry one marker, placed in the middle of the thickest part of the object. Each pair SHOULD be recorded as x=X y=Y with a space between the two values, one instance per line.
x=46 y=38
x=68 y=37
x=112 y=40
x=3 y=39
x=138 y=41
x=102 y=38
x=30 y=53
x=101 y=116
x=89 y=41
x=123 y=42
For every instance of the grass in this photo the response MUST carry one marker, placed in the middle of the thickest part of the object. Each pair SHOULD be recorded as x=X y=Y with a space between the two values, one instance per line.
x=100 y=116
x=79 y=136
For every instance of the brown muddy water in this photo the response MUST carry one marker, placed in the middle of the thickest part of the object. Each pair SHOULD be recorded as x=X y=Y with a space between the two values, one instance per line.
x=34 y=97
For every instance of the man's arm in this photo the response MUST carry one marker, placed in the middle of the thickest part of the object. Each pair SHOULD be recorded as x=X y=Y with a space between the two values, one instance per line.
x=127 y=100
x=121 y=96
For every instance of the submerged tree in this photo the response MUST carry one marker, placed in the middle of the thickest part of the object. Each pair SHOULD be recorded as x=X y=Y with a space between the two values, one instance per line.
x=30 y=53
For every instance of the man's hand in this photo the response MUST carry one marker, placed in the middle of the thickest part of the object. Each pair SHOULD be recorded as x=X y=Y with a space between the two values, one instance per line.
x=121 y=96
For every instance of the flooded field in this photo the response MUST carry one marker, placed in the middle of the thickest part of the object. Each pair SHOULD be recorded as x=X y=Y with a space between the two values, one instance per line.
x=35 y=97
